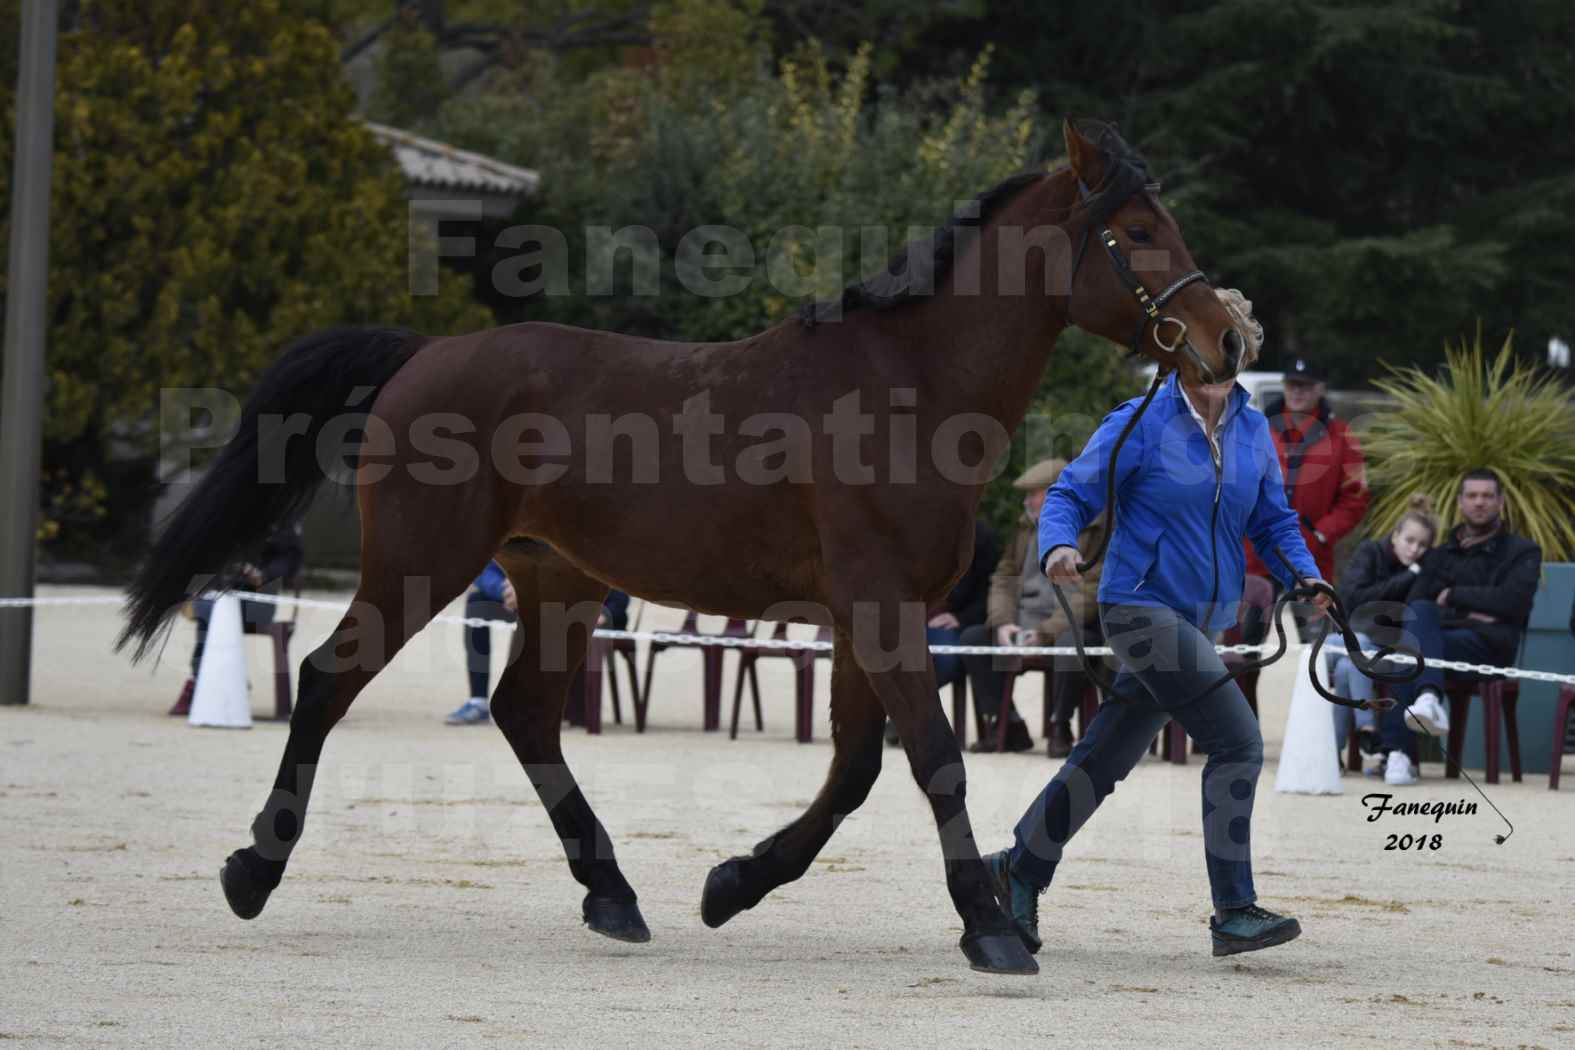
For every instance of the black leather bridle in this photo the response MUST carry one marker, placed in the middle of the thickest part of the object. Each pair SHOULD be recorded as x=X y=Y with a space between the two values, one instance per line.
x=1152 y=306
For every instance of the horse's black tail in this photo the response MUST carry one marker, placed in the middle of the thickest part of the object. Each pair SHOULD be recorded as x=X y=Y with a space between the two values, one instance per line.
x=267 y=472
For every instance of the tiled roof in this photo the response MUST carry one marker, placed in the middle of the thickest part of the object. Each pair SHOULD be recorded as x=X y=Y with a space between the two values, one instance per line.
x=427 y=162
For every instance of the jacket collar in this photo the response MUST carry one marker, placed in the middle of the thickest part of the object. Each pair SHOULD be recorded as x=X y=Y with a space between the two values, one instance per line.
x=1489 y=544
x=1238 y=397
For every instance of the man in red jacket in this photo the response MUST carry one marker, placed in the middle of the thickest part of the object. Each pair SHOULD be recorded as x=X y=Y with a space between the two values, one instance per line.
x=1325 y=472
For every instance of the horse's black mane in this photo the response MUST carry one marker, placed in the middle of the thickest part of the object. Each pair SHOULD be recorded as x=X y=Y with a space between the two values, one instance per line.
x=915 y=271
x=918 y=266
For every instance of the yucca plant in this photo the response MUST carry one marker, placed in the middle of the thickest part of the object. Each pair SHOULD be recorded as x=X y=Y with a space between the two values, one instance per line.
x=1501 y=415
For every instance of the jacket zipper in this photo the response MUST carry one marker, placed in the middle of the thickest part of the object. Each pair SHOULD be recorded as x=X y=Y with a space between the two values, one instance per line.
x=1214 y=517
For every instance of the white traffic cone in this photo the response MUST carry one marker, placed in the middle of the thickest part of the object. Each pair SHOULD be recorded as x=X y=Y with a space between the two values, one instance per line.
x=1309 y=761
x=220 y=698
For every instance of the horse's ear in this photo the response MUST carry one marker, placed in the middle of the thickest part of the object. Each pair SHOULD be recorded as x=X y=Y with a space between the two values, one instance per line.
x=1087 y=158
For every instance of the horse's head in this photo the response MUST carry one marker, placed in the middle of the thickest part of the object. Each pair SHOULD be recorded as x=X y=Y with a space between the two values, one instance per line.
x=1138 y=285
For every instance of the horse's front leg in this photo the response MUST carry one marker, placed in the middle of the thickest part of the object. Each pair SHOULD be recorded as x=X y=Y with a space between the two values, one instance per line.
x=890 y=645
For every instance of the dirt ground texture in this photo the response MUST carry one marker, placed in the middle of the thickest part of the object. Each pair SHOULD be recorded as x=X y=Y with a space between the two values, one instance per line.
x=429 y=904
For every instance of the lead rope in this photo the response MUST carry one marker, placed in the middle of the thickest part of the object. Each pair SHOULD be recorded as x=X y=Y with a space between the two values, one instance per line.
x=1304 y=589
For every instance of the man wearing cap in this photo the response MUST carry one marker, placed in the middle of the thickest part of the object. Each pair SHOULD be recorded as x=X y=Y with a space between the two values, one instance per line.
x=1023 y=610
x=1325 y=472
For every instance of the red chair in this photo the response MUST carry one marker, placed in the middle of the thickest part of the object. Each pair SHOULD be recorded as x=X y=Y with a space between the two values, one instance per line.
x=602 y=656
x=711 y=657
x=803 y=681
x=279 y=632
x=1087 y=704
x=626 y=648
x=1500 y=698
x=1563 y=736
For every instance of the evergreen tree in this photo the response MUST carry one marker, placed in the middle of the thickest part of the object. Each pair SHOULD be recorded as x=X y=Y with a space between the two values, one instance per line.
x=213 y=199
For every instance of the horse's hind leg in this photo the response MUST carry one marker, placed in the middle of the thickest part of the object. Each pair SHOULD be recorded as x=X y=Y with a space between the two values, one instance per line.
x=857 y=720
x=558 y=606
x=393 y=602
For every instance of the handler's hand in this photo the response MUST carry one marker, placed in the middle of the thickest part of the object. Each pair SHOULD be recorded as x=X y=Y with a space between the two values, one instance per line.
x=1061 y=566
x=510 y=601
x=1323 y=601
x=1007 y=634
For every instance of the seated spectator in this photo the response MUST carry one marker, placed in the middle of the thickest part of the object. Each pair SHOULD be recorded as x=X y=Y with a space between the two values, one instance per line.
x=964 y=607
x=1471 y=603
x=1380 y=570
x=278 y=559
x=491 y=597
x=1023 y=610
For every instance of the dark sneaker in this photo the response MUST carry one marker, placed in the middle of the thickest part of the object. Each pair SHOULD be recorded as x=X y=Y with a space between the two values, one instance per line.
x=1020 y=900
x=182 y=706
x=892 y=739
x=1018 y=738
x=1060 y=743
x=1251 y=928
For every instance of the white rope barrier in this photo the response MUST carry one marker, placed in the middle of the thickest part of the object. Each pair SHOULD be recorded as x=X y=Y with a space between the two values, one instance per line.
x=735 y=642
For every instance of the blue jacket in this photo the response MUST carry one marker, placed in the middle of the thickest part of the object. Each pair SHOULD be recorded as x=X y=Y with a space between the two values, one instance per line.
x=1179 y=522
x=490 y=583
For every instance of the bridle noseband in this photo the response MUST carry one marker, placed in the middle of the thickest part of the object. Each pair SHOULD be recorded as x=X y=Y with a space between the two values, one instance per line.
x=1151 y=305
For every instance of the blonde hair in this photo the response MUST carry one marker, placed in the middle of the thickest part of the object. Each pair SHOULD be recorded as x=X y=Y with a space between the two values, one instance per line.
x=1240 y=309
x=1419 y=508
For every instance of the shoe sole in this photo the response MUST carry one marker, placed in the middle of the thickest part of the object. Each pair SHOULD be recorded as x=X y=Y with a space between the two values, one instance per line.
x=1235 y=946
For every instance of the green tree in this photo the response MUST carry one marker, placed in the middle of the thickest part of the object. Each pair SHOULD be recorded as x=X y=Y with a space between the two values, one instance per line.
x=1478 y=411
x=1376 y=173
x=817 y=144
x=213 y=199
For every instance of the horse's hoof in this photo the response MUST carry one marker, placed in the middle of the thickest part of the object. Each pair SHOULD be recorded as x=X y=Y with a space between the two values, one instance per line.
x=997 y=953
x=619 y=919
x=242 y=889
x=723 y=895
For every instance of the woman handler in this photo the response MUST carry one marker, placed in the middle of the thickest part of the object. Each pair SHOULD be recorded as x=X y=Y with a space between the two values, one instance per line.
x=1197 y=473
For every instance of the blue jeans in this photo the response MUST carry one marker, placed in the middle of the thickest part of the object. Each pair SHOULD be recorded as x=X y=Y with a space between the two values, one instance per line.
x=948 y=666
x=478 y=640
x=1347 y=681
x=1424 y=625
x=1165 y=660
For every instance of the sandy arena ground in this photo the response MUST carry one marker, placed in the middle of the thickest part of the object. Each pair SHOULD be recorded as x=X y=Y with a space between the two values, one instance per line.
x=429 y=904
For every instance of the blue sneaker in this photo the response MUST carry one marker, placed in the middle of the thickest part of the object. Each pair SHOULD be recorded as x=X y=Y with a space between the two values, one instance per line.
x=472 y=712
x=1020 y=900
x=1251 y=928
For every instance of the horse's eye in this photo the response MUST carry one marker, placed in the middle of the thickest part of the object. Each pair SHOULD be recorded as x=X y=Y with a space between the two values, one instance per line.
x=1138 y=234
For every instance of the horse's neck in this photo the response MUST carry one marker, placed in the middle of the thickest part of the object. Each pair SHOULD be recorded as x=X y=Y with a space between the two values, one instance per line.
x=988 y=344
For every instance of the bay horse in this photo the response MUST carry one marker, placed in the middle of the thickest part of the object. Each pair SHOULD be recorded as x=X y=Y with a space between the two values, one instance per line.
x=863 y=535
